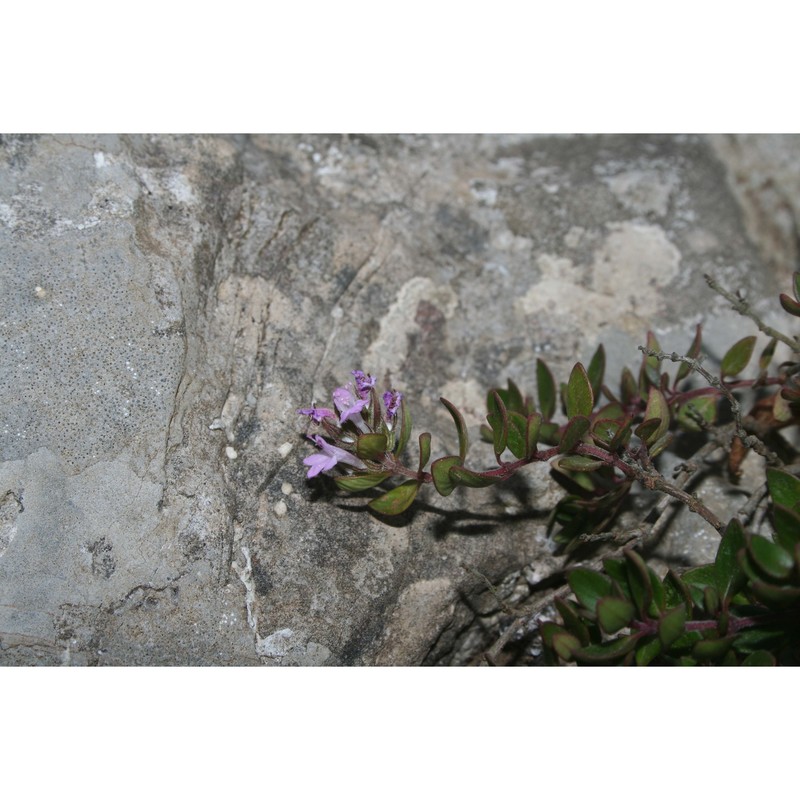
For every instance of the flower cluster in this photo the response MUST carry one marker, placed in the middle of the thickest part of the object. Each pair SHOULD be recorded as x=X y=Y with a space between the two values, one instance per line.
x=359 y=431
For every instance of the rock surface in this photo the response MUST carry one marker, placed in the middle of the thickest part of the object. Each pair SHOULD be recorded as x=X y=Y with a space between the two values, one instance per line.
x=168 y=302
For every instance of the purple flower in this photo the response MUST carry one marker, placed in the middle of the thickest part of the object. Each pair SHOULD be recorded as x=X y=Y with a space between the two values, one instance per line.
x=349 y=406
x=391 y=400
x=363 y=382
x=329 y=458
x=317 y=414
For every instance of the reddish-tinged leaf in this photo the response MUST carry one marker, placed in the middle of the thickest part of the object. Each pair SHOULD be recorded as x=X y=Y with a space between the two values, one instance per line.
x=767 y=353
x=730 y=577
x=546 y=389
x=614 y=613
x=628 y=387
x=657 y=408
x=576 y=429
x=533 y=426
x=517 y=429
x=397 y=500
x=596 y=370
x=359 y=483
x=579 y=463
x=697 y=413
x=371 y=446
x=792 y=306
x=466 y=477
x=440 y=470
x=737 y=357
x=579 y=396
x=694 y=351
x=461 y=428
x=784 y=488
x=424 y=449
x=405 y=425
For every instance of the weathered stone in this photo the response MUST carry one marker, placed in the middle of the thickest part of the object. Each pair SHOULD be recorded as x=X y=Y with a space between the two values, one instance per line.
x=169 y=302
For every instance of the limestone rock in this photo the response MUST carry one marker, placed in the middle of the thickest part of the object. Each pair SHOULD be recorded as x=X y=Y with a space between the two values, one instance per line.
x=168 y=302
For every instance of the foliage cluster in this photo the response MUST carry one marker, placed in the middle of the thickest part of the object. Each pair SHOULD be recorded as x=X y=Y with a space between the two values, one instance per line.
x=741 y=609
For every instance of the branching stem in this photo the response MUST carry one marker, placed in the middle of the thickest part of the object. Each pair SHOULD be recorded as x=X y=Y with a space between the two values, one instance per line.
x=753 y=442
x=741 y=306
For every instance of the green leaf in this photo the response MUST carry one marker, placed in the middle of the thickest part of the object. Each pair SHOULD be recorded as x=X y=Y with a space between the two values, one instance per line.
x=670 y=626
x=424 y=449
x=611 y=434
x=475 y=480
x=639 y=581
x=660 y=445
x=589 y=586
x=790 y=305
x=676 y=591
x=596 y=371
x=784 y=488
x=572 y=622
x=440 y=470
x=758 y=638
x=648 y=429
x=604 y=431
x=608 y=651
x=705 y=575
x=697 y=412
x=371 y=446
x=565 y=645
x=694 y=351
x=796 y=285
x=576 y=429
x=358 y=483
x=546 y=389
x=787 y=526
x=511 y=397
x=628 y=388
x=612 y=412
x=498 y=419
x=579 y=463
x=771 y=559
x=777 y=597
x=579 y=398
x=659 y=595
x=563 y=642
x=517 y=430
x=405 y=427
x=397 y=500
x=737 y=357
x=461 y=428
x=712 y=650
x=711 y=601
x=500 y=432
x=533 y=426
x=767 y=353
x=730 y=577
x=547 y=630
x=617 y=570
x=647 y=651
x=549 y=433
x=760 y=658
x=614 y=613
x=657 y=408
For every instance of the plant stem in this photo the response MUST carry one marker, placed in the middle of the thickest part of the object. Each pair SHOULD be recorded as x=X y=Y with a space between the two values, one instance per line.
x=753 y=442
x=741 y=306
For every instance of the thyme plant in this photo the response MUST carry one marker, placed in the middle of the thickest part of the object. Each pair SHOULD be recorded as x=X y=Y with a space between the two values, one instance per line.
x=744 y=608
